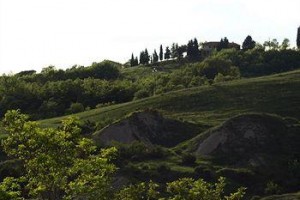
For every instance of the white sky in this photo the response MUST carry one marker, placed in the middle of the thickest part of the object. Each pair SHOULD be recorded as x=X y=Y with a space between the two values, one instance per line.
x=38 y=33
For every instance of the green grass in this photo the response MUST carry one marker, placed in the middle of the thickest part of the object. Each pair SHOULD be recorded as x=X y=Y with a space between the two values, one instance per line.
x=211 y=105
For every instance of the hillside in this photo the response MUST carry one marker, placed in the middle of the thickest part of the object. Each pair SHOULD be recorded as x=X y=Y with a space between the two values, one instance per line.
x=211 y=105
x=148 y=127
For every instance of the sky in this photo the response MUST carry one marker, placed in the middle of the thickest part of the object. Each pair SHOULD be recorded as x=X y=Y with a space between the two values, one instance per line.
x=38 y=33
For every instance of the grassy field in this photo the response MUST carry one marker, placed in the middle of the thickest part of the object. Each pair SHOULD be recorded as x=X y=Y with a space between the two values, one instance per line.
x=211 y=105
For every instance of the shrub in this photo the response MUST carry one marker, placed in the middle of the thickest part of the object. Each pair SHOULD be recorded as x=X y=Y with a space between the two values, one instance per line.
x=141 y=94
x=75 y=108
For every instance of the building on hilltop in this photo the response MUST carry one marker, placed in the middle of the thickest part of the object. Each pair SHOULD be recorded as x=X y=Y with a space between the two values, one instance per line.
x=208 y=47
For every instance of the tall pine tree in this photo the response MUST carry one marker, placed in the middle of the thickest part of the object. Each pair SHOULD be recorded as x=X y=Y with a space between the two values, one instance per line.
x=132 y=63
x=142 y=57
x=155 y=57
x=167 y=53
x=161 y=53
x=146 y=57
x=192 y=51
x=136 y=61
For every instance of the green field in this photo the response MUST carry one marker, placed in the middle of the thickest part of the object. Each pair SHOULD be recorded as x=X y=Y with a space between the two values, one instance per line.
x=213 y=104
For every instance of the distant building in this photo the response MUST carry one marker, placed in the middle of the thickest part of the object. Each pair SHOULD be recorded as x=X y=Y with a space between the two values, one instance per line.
x=208 y=47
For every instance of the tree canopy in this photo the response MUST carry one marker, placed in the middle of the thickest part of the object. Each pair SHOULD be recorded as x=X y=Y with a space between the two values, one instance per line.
x=248 y=43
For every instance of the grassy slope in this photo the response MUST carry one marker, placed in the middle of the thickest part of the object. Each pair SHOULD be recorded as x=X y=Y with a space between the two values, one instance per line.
x=211 y=105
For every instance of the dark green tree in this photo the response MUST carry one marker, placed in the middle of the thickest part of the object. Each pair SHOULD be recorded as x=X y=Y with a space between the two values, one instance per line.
x=248 y=43
x=146 y=57
x=192 y=50
x=161 y=53
x=132 y=63
x=142 y=57
x=155 y=57
x=136 y=61
x=180 y=50
x=224 y=43
x=298 y=38
x=167 y=53
x=174 y=50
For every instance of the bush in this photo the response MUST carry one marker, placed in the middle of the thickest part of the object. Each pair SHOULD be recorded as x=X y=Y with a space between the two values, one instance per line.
x=75 y=108
x=272 y=188
x=141 y=94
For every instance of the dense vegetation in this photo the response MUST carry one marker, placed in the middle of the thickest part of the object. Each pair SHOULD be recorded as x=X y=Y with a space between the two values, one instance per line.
x=60 y=164
x=196 y=92
x=57 y=92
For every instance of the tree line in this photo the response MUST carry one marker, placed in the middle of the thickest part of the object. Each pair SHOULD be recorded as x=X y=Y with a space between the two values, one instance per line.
x=194 y=53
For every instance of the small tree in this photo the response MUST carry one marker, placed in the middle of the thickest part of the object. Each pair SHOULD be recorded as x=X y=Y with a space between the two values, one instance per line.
x=167 y=53
x=285 y=44
x=133 y=61
x=248 y=43
x=161 y=53
x=155 y=57
x=58 y=163
x=76 y=108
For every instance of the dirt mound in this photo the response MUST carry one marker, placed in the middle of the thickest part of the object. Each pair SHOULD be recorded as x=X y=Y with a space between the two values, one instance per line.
x=250 y=139
x=149 y=127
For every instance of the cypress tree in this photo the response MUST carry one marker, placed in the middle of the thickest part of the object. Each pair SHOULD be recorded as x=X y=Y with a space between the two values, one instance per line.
x=155 y=57
x=142 y=57
x=161 y=53
x=136 y=61
x=189 y=50
x=132 y=63
x=167 y=53
x=146 y=57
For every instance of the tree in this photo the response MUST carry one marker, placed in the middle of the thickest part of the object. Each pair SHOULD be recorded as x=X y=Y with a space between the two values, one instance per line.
x=142 y=57
x=155 y=57
x=132 y=61
x=161 y=53
x=248 y=43
x=58 y=163
x=298 y=38
x=146 y=57
x=271 y=45
x=285 y=44
x=136 y=61
x=167 y=53
x=174 y=50
x=180 y=51
x=192 y=50
x=224 y=43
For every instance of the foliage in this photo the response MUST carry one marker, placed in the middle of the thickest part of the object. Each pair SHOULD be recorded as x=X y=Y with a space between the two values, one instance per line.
x=10 y=188
x=248 y=43
x=272 y=188
x=210 y=67
x=139 y=191
x=76 y=108
x=182 y=189
x=167 y=53
x=58 y=163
